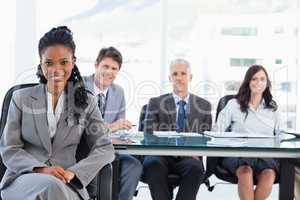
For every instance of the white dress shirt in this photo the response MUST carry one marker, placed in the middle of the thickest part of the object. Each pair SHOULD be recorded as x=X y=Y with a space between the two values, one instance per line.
x=53 y=117
x=98 y=91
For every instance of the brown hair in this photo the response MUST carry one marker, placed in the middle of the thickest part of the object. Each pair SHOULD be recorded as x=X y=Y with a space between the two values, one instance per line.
x=243 y=95
x=110 y=52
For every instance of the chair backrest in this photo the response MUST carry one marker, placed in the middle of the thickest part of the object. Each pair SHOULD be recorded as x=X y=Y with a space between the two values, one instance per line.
x=6 y=102
x=213 y=164
x=173 y=179
x=142 y=118
x=222 y=103
x=5 y=106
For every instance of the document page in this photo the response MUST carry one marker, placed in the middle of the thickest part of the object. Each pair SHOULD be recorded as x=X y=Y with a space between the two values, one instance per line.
x=175 y=134
x=231 y=142
x=236 y=135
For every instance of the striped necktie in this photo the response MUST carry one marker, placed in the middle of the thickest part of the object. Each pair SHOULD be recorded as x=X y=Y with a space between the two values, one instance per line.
x=101 y=103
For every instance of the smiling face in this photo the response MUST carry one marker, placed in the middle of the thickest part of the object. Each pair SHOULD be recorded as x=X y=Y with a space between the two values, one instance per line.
x=258 y=83
x=180 y=76
x=106 y=72
x=57 y=63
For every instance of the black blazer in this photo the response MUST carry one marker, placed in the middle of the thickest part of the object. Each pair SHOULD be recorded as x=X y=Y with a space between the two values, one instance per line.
x=161 y=114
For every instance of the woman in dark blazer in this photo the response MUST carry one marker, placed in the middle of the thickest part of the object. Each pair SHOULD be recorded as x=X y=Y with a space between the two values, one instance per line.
x=45 y=125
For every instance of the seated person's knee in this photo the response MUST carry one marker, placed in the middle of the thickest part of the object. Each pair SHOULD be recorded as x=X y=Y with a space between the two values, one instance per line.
x=153 y=164
x=267 y=174
x=243 y=171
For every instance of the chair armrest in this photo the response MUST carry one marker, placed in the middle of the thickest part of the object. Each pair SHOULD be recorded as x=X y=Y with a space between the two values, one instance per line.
x=104 y=183
x=108 y=181
x=295 y=161
x=116 y=167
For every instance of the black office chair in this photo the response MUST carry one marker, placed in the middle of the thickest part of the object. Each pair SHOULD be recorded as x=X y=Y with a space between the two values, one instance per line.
x=142 y=118
x=214 y=164
x=173 y=179
x=104 y=186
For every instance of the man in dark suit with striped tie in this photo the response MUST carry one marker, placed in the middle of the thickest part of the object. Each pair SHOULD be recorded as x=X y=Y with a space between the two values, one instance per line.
x=178 y=111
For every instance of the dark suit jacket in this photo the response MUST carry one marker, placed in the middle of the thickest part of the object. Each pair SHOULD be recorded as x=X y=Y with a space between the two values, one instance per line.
x=161 y=114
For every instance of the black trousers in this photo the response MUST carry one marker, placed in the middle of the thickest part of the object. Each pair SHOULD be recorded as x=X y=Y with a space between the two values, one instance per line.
x=157 y=168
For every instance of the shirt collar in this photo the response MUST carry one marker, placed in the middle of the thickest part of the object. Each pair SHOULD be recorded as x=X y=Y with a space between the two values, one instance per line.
x=178 y=98
x=98 y=91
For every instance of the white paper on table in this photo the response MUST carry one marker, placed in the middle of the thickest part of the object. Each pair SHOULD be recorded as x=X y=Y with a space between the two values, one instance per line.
x=227 y=142
x=218 y=134
x=175 y=134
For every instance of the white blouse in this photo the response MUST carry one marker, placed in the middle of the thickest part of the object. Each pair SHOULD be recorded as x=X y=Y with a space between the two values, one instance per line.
x=261 y=120
x=53 y=117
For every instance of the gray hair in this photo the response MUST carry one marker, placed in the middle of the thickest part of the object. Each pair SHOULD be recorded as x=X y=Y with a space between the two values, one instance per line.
x=180 y=61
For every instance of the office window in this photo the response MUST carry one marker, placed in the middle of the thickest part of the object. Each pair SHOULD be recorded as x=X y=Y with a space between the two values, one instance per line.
x=285 y=86
x=296 y=32
x=279 y=30
x=239 y=31
x=219 y=38
x=238 y=35
x=244 y=62
x=131 y=26
x=278 y=61
x=232 y=86
x=290 y=123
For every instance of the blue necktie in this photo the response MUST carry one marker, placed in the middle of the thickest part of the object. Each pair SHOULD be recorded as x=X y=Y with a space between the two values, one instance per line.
x=180 y=117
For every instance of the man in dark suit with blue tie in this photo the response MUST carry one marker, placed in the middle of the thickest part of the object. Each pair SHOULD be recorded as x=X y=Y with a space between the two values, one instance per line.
x=179 y=111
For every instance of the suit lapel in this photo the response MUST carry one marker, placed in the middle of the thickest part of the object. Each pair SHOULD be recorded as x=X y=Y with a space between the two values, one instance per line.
x=190 y=108
x=169 y=104
x=190 y=113
x=194 y=114
x=66 y=121
x=61 y=130
x=39 y=110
